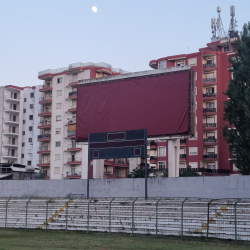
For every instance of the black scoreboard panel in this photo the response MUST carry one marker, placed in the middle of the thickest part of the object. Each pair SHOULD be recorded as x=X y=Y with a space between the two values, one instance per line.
x=122 y=144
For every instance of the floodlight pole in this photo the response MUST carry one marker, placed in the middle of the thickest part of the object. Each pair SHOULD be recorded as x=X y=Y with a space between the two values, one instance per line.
x=146 y=166
x=88 y=171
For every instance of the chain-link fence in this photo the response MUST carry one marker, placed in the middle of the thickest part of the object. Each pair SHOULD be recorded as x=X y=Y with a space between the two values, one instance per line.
x=181 y=217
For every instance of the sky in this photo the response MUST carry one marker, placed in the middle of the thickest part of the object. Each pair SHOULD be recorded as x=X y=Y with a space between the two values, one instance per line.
x=47 y=34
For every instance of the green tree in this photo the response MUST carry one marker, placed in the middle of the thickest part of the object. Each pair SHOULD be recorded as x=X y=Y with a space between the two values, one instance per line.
x=190 y=172
x=237 y=107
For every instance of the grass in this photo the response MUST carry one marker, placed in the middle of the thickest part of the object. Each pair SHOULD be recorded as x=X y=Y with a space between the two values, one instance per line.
x=55 y=240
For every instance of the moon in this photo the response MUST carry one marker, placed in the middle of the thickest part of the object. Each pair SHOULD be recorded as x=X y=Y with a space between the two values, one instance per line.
x=94 y=9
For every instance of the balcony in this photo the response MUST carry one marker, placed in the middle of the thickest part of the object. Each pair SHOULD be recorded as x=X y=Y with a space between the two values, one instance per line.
x=10 y=144
x=73 y=147
x=45 y=88
x=121 y=162
x=73 y=95
x=209 y=66
x=44 y=137
x=15 y=98
x=209 y=110
x=183 y=156
x=12 y=109
x=72 y=108
x=44 y=124
x=11 y=132
x=74 y=161
x=72 y=121
x=210 y=155
x=73 y=175
x=43 y=163
x=209 y=125
x=209 y=80
x=183 y=141
x=73 y=82
x=153 y=145
x=44 y=150
x=210 y=140
x=209 y=95
x=10 y=155
x=71 y=134
x=47 y=99
x=11 y=120
x=153 y=159
x=44 y=112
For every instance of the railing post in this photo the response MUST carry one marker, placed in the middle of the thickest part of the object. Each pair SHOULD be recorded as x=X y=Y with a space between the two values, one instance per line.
x=235 y=218
x=182 y=218
x=110 y=214
x=26 y=214
x=6 y=212
x=208 y=216
x=47 y=207
x=67 y=204
x=133 y=206
x=156 y=217
x=88 y=217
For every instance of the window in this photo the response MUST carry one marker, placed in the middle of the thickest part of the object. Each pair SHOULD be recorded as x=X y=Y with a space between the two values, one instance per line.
x=162 y=65
x=180 y=64
x=23 y=132
x=30 y=128
x=161 y=164
x=226 y=49
x=22 y=155
x=58 y=118
x=162 y=151
x=59 y=80
x=24 y=121
x=23 y=144
x=31 y=117
x=192 y=61
x=57 y=157
x=193 y=164
x=57 y=170
x=59 y=105
x=211 y=165
x=30 y=140
x=31 y=106
x=29 y=163
x=25 y=99
x=193 y=151
x=59 y=92
x=58 y=144
x=31 y=95
x=24 y=110
x=58 y=131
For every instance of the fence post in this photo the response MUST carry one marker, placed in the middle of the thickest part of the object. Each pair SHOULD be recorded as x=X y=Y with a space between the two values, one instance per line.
x=133 y=206
x=208 y=216
x=235 y=218
x=67 y=204
x=88 y=217
x=26 y=213
x=6 y=212
x=110 y=214
x=182 y=217
x=156 y=217
x=47 y=206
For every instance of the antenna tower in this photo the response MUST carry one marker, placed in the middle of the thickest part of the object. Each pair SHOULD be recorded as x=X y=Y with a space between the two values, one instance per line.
x=233 y=22
x=217 y=27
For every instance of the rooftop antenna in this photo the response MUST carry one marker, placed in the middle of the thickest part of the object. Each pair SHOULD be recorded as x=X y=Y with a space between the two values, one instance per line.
x=233 y=22
x=220 y=30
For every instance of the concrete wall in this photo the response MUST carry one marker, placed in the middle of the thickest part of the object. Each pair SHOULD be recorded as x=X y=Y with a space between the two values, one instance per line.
x=200 y=187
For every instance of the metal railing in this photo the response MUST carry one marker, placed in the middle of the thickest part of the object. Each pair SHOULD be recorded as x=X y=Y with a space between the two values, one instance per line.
x=73 y=106
x=70 y=133
x=71 y=146
x=153 y=157
x=43 y=161
x=183 y=141
x=207 y=170
x=45 y=98
x=72 y=120
x=209 y=125
x=209 y=95
x=11 y=131
x=189 y=218
x=210 y=155
x=183 y=155
x=72 y=93
x=74 y=159
x=45 y=86
x=210 y=140
x=43 y=148
x=44 y=123
x=46 y=110
x=206 y=80
x=76 y=173
x=209 y=65
x=205 y=110
x=44 y=136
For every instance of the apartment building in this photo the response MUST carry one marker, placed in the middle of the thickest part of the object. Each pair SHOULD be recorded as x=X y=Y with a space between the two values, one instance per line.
x=208 y=149
x=60 y=156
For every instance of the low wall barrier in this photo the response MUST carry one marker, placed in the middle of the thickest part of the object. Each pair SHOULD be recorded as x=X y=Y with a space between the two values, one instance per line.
x=223 y=218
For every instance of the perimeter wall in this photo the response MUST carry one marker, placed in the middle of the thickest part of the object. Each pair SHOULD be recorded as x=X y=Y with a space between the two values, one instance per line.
x=200 y=187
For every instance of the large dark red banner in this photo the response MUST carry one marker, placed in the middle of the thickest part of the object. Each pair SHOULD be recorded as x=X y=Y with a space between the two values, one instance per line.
x=159 y=104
